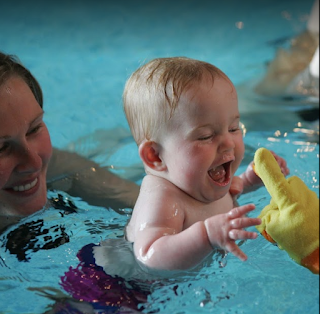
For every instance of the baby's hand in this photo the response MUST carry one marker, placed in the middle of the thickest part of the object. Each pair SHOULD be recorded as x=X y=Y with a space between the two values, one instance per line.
x=250 y=177
x=224 y=229
x=236 y=187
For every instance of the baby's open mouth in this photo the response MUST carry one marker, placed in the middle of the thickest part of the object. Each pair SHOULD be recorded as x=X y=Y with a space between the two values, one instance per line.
x=221 y=174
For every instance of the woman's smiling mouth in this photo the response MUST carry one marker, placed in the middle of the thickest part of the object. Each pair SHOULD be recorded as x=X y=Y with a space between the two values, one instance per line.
x=22 y=188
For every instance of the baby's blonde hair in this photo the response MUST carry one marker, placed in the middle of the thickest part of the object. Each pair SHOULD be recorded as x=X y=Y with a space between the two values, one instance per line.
x=152 y=92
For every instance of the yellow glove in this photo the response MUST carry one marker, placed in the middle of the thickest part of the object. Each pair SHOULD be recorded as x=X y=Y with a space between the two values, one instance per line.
x=292 y=218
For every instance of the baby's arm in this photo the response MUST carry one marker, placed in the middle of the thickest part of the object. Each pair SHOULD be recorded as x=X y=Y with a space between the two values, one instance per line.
x=165 y=245
x=249 y=181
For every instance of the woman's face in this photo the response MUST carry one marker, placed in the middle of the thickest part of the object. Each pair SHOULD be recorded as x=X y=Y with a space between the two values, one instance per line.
x=25 y=150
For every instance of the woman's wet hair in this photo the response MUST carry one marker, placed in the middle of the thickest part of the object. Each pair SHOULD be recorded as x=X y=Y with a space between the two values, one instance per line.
x=10 y=66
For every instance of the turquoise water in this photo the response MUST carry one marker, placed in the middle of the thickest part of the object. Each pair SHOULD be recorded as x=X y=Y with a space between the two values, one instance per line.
x=269 y=282
x=82 y=52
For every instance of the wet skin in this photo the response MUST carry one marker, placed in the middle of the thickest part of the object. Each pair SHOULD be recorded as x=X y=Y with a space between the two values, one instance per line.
x=184 y=207
x=25 y=150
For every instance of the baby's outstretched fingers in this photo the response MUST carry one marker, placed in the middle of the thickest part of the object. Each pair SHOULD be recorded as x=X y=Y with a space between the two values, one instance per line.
x=238 y=234
x=241 y=211
x=236 y=251
x=244 y=222
x=223 y=230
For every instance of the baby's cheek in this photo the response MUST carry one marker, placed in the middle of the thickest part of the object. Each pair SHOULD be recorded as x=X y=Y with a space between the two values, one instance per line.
x=235 y=166
x=239 y=155
x=191 y=177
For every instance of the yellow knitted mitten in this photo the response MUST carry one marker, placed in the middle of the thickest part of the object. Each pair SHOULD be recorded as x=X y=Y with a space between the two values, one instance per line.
x=292 y=218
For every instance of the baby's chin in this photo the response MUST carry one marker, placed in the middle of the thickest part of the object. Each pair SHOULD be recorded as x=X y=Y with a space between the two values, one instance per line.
x=214 y=196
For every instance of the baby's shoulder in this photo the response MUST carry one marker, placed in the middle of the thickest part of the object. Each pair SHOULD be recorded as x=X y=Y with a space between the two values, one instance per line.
x=158 y=185
x=160 y=194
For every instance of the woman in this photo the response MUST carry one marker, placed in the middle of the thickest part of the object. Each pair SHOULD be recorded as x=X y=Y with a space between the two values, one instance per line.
x=27 y=159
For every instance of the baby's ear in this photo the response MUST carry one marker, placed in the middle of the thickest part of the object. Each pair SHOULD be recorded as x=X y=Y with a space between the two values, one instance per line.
x=149 y=153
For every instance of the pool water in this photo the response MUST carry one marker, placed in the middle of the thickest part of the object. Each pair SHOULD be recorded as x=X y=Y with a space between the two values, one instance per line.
x=82 y=52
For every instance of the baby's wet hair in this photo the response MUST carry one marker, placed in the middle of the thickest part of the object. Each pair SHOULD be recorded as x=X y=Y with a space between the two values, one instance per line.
x=153 y=91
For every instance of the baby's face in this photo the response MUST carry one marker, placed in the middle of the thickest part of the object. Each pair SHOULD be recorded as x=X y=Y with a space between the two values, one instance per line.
x=202 y=146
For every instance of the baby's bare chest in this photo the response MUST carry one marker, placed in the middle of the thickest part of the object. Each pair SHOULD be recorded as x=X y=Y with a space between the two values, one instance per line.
x=194 y=214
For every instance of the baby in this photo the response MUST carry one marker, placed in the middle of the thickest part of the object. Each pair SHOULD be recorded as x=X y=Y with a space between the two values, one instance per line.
x=184 y=117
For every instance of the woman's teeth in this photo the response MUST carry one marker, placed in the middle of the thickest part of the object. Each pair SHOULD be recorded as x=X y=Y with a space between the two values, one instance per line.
x=22 y=188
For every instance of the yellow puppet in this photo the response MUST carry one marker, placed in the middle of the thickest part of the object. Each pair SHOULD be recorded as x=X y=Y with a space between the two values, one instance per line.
x=291 y=220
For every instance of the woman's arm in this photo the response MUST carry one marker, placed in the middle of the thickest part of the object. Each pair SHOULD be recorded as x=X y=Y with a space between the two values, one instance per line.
x=81 y=177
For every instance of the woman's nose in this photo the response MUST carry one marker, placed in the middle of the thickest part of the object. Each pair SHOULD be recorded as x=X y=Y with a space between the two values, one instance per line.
x=29 y=160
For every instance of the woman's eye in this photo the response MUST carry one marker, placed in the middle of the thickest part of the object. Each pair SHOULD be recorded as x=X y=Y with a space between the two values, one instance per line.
x=35 y=129
x=4 y=147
